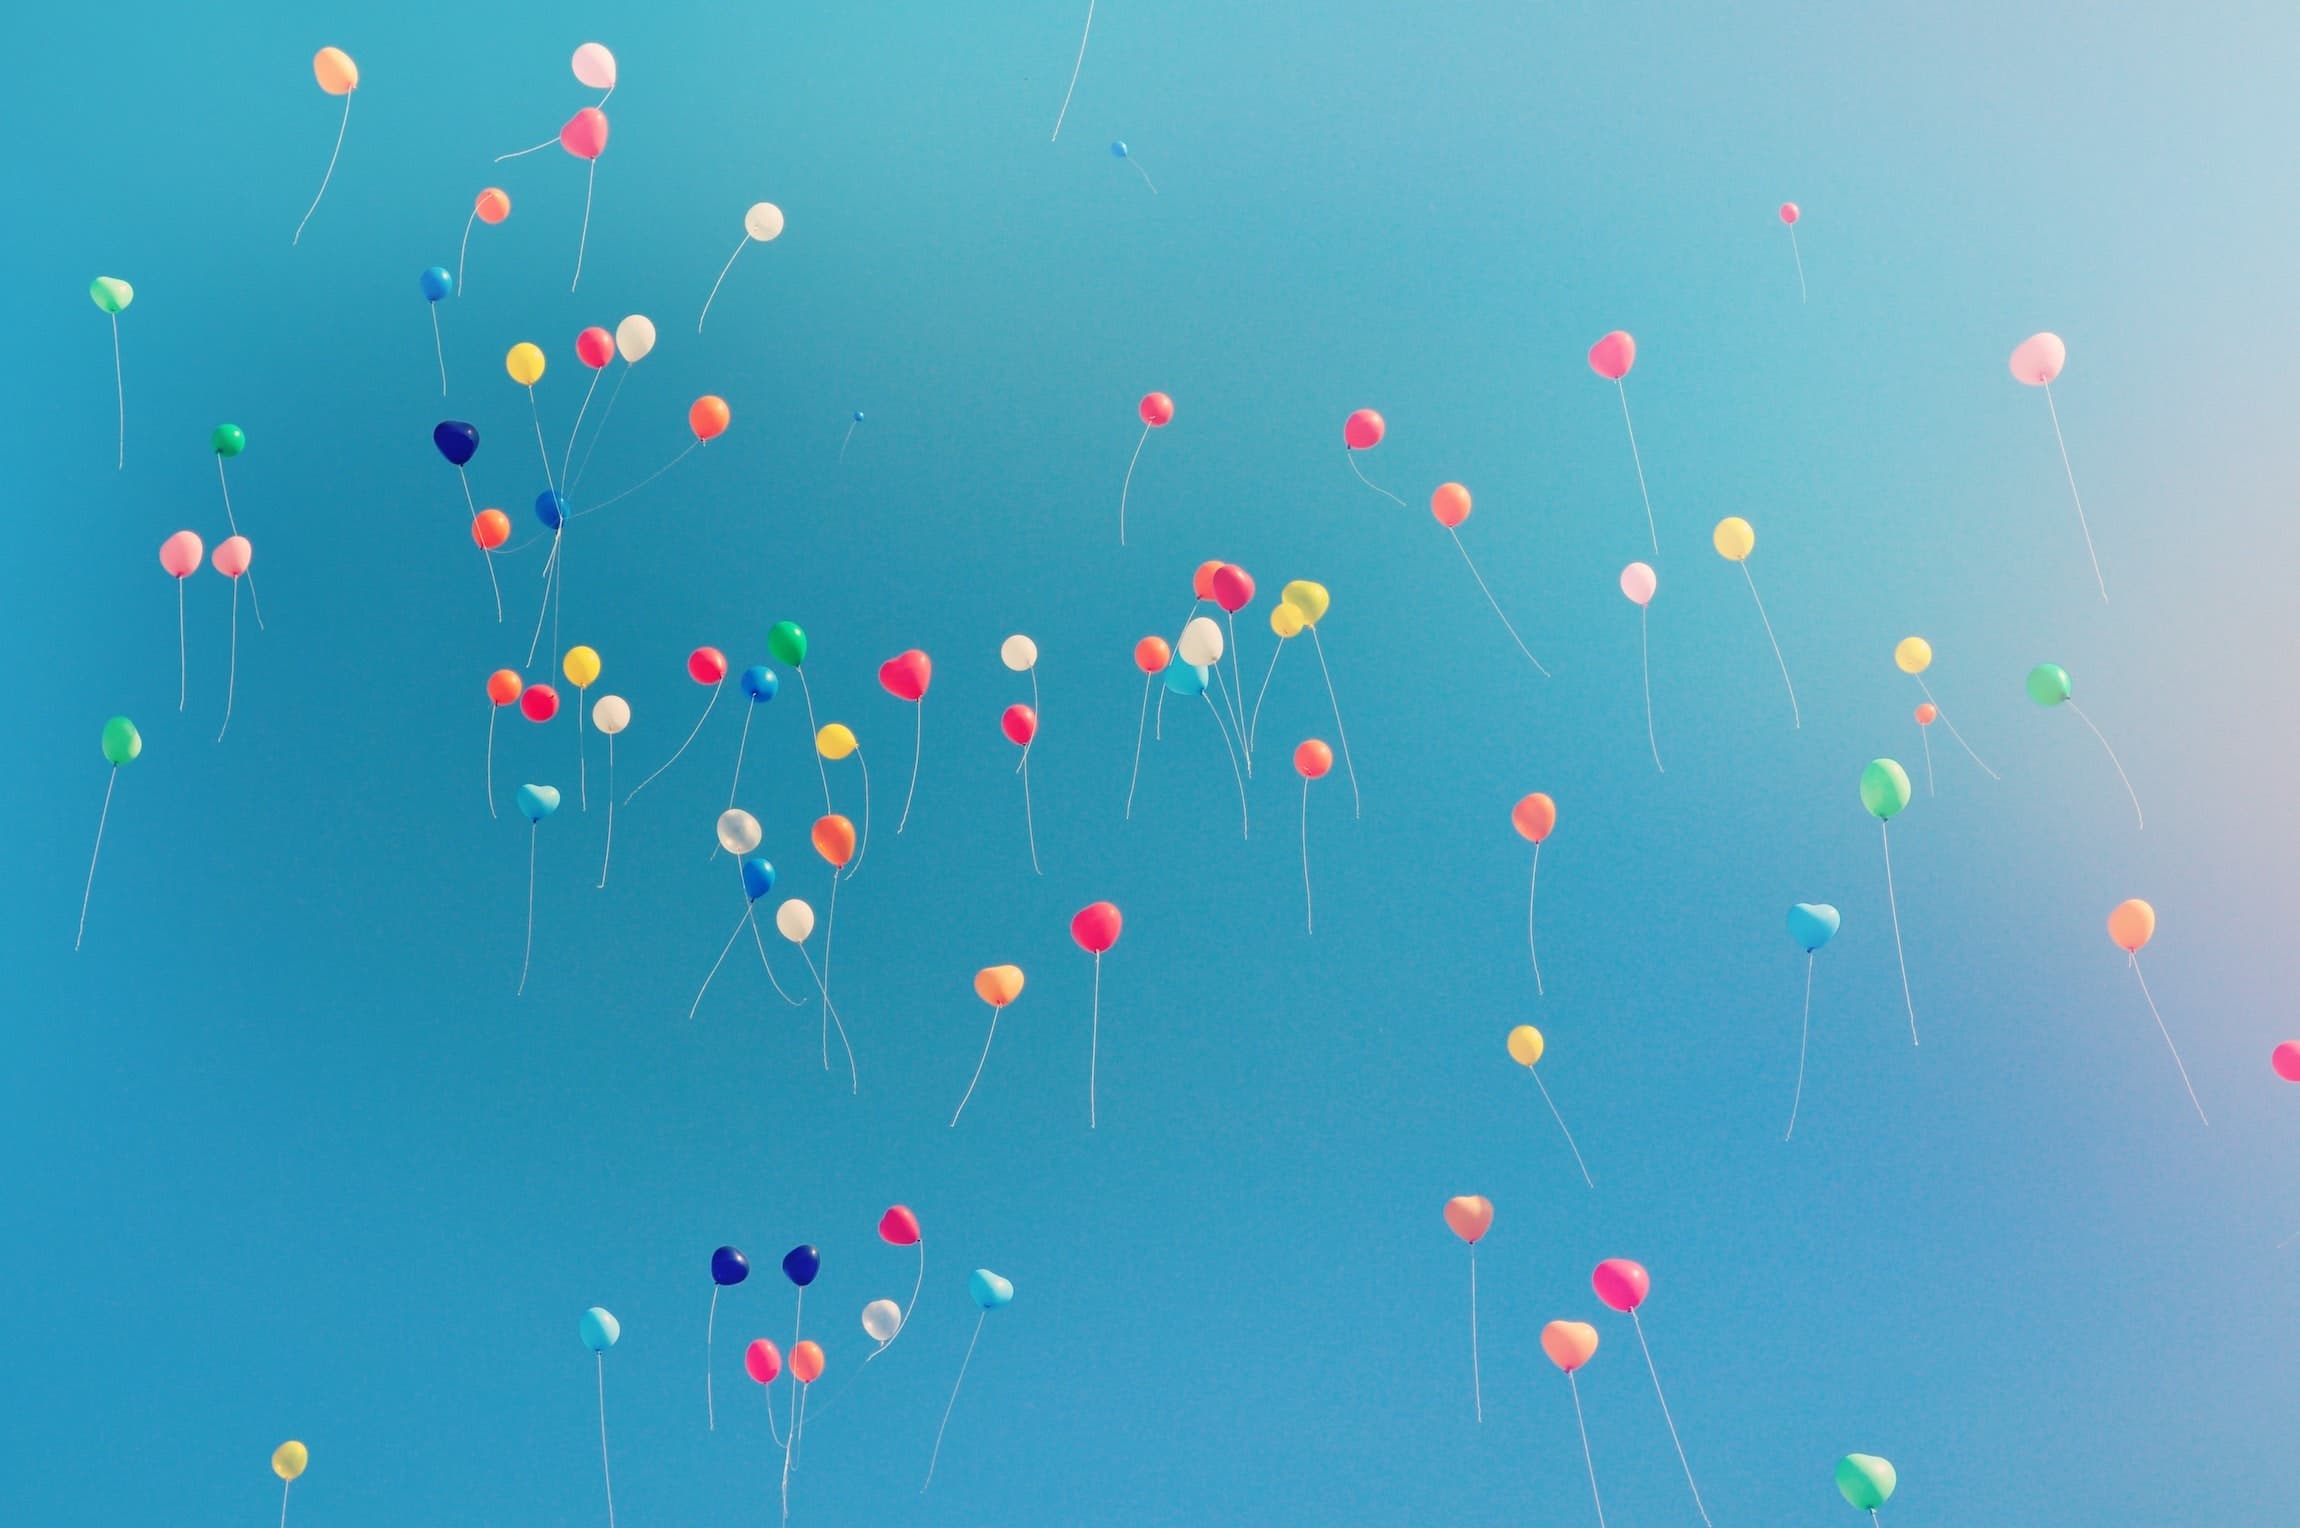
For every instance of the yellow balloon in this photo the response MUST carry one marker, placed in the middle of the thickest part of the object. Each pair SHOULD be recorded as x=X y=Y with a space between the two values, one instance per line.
x=1525 y=1045
x=836 y=741
x=1913 y=655
x=289 y=1459
x=525 y=363
x=1286 y=621
x=1308 y=598
x=1734 y=538
x=581 y=666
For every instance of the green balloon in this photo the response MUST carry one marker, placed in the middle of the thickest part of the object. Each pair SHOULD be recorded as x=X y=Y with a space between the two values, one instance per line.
x=122 y=742
x=228 y=440
x=2048 y=684
x=1884 y=789
x=1866 y=1481
x=110 y=293
x=787 y=643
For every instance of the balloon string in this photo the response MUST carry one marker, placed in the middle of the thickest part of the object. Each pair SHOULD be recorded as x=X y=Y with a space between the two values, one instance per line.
x=1800 y=259
x=1476 y=1384
x=1953 y=732
x=492 y=711
x=1244 y=826
x=806 y=692
x=1533 y=885
x=714 y=297
x=254 y=603
x=961 y=1109
x=183 y=670
x=1665 y=1417
x=805 y=1391
x=285 y=1487
x=1158 y=728
x=1892 y=901
x=710 y=1326
x=854 y=1078
x=232 y=675
x=1796 y=717
x=438 y=349
x=612 y=398
x=229 y=518
x=2072 y=493
x=1553 y=1114
x=582 y=756
x=917 y=747
x=1369 y=482
x=529 y=954
x=1496 y=604
x=1058 y=116
x=120 y=387
x=1093 y=1049
x=742 y=745
x=1237 y=722
x=1145 y=174
x=774 y=1427
x=1925 y=736
x=522 y=153
x=583 y=240
x=770 y=970
x=1254 y=723
x=1238 y=705
x=2133 y=959
x=1123 y=488
x=1309 y=907
x=1589 y=1460
x=946 y=1410
x=2137 y=819
x=605 y=1470
x=1645 y=668
x=1035 y=710
x=1029 y=827
x=493 y=587
x=830 y=930
x=1340 y=732
x=470 y=505
x=1639 y=461
x=843 y=440
x=464 y=250
x=748 y=909
x=330 y=175
x=568 y=454
x=1804 y=1032
x=1140 y=723
x=674 y=758
x=608 y=853
x=550 y=568
x=88 y=891
x=861 y=853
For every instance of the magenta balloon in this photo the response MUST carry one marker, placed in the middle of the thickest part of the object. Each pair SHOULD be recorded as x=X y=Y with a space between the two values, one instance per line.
x=2286 y=1060
x=1612 y=356
x=180 y=554
x=2038 y=359
x=1621 y=1283
x=585 y=135
x=1638 y=582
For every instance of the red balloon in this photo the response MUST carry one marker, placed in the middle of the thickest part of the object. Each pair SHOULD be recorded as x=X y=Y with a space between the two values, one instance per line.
x=595 y=347
x=490 y=528
x=905 y=676
x=1096 y=927
x=539 y=702
x=1312 y=759
x=898 y=1227
x=762 y=1360
x=2286 y=1059
x=1363 y=430
x=585 y=135
x=706 y=665
x=1621 y=1283
x=708 y=416
x=1151 y=655
x=503 y=687
x=1233 y=587
x=1156 y=409
x=1020 y=724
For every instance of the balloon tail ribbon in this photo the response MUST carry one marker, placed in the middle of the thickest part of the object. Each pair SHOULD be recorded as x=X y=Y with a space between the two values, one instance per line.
x=330 y=175
x=605 y=1470
x=1471 y=564
x=1078 y=64
x=89 y=890
x=607 y=853
x=1254 y=722
x=1894 y=903
x=1800 y=259
x=1639 y=461
x=1925 y=736
x=523 y=153
x=582 y=755
x=830 y=931
x=1145 y=174
x=229 y=518
x=806 y=692
x=674 y=758
x=986 y=1040
x=1029 y=826
x=1533 y=885
x=1665 y=1417
x=864 y=851
x=255 y=604
x=1142 y=722
x=491 y=713
x=535 y=413
x=1796 y=717
x=714 y=297
x=1237 y=722
x=1553 y=1114
x=569 y=454
x=460 y=253
x=1476 y=1384
x=232 y=673
x=1309 y=907
x=917 y=747
x=2133 y=959
x=1369 y=482
x=907 y=1309
x=770 y=970
x=285 y=1487
x=528 y=956
x=493 y=587
x=183 y=669
x=120 y=387
x=438 y=349
x=550 y=570
x=774 y=1426
x=1357 y=805
x=585 y=465
x=1034 y=710
x=1237 y=698
x=1588 y=1460
x=1093 y=1053
x=583 y=239
x=854 y=1078
x=1804 y=1032
x=1953 y=732
x=1245 y=828
x=1645 y=667
x=843 y=441
x=710 y=1326
x=748 y=909
x=2073 y=494
x=2138 y=820
x=953 y=1402
x=1123 y=489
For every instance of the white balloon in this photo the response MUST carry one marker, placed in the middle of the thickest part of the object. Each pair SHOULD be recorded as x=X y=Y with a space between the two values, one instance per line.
x=1201 y=642
x=794 y=920
x=594 y=66
x=634 y=337
x=610 y=714
x=738 y=831
x=763 y=222
x=1018 y=653
x=882 y=1319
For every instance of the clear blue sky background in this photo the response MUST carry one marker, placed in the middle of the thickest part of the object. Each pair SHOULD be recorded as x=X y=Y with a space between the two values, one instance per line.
x=287 y=1157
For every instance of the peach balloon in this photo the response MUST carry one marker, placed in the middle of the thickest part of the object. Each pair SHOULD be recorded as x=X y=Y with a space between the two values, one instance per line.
x=1612 y=356
x=998 y=985
x=1312 y=759
x=1450 y=504
x=336 y=73
x=233 y=555
x=1363 y=430
x=503 y=687
x=1638 y=582
x=1927 y=714
x=1569 y=1344
x=490 y=528
x=1534 y=817
x=807 y=1362
x=1151 y=655
x=1470 y=1216
x=2286 y=1060
x=2132 y=925
x=708 y=417
x=493 y=206
x=1790 y=213
x=2038 y=359
x=180 y=554
x=1202 y=578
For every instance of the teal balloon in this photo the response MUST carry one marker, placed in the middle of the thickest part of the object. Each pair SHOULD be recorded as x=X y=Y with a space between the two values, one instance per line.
x=989 y=1290
x=1866 y=1481
x=122 y=742
x=1884 y=789
x=227 y=440
x=1812 y=924
x=538 y=801
x=1186 y=678
x=787 y=643
x=600 y=1329
x=2048 y=684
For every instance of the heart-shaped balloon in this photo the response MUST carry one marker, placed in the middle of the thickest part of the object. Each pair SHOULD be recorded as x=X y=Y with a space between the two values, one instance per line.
x=585 y=135
x=801 y=1264
x=898 y=1227
x=538 y=801
x=1812 y=924
x=1612 y=356
x=906 y=675
x=1569 y=1344
x=456 y=440
x=1470 y=1216
x=989 y=1290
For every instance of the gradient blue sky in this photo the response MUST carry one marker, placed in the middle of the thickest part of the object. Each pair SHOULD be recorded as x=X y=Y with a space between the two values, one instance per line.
x=289 y=1159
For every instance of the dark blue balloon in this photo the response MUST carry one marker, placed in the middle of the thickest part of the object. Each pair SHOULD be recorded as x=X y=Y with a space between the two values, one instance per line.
x=758 y=878
x=551 y=510
x=457 y=441
x=436 y=283
x=1117 y=148
x=760 y=683
x=729 y=1266
x=801 y=1264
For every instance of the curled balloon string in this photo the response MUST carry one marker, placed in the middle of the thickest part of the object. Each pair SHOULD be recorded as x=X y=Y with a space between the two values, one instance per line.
x=1804 y=1032
x=770 y=970
x=1244 y=827
x=1471 y=564
x=1123 y=489
x=1352 y=456
x=1645 y=669
x=1553 y=1114
x=995 y=1010
x=1893 y=902
x=2082 y=525
x=606 y=1470
x=232 y=674
x=1953 y=732
x=330 y=175
x=953 y=1402
x=917 y=748
x=1639 y=460
x=583 y=240
x=493 y=587
x=1588 y=1459
x=90 y=889
x=1476 y=1383
x=2132 y=959
x=607 y=853
x=462 y=252
x=740 y=924
x=806 y=693
x=1144 y=721
x=1078 y=64
x=1532 y=886
x=601 y=428
x=2138 y=820
x=1665 y=1417
x=1357 y=805
x=854 y=1078
x=438 y=348
x=674 y=758
x=528 y=956
x=1797 y=718
x=1254 y=723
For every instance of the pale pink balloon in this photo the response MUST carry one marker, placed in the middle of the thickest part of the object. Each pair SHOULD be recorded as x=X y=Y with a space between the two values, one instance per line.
x=2286 y=1060
x=1621 y=1283
x=1469 y=1216
x=1789 y=213
x=585 y=135
x=180 y=554
x=1612 y=356
x=233 y=555
x=595 y=66
x=2038 y=359
x=1638 y=582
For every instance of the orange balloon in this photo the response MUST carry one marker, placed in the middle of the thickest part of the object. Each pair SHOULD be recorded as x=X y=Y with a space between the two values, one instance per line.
x=807 y=1362
x=1312 y=759
x=835 y=839
x=490 y=528
x=2132 y=925
x=1927 y=714
x=1202 y=581
x=707 y=416
x=1534 y=817
x=1470 y=1216
x=503 y=687
x=1569 y=1344
x=493 y=206
x=1151 y=655
x=998 y=985
x=1450 y=504
x=336 y=73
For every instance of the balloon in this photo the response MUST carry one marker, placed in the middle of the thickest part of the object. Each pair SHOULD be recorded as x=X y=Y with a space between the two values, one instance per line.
x=2132 y=925
x=801 y=1264
x=539 y=702
x=1201 y=641
x=707 y=416
x=503 y=687
x=634 y=337
x=760 y=683
x=1096 y=927
x=1363 y=430
x=882 y=1319
x=610 y=714
x=762 y=1361
x=989 y=1290
x=1927 y=714
x=227 y=440
x=1470 y=1216
x=706 y=665
x=1233 y=587
x=807 y=1362
x=1310 y=599
x=794 y=920
x=998 y=985
x=550 y=509
x=2286 y=1059
x=738 y=831
x=539 y=802
x=729 y=1266
x=1117 y=148
x=336 y=73
x=1812 y=924
x=787 y=643
x=1187 y=678
x=493 y=206
x=1734 y=538
x=1526 y=1045
x=457 y=441
x=122 y=742
x=595 y=347
x=1569 y=1344
x=490 y=528
x=898 y=1227
x=1018 y=653
x=836 y=741
x=1020 y=724
x=2048 y=684
x=180 y=554
x=1612 y=356
x=113 y=295
x=1866 y=1481
x=232 y=555
x=436 y=282
x=290 y=1459
x=585 y=135
x=2038 y=359
x=1312 y=759
x=834 y=839
x=1151 y=655
x=858 y=416
x=1202 y=579
x=525 y=363
x=1285 y=620
x=1534 y=817
x=594 y=66
x=1789 y=212
x=1912 y=655
x=1884 y=788
x=764 y=222
x=1156 y=409
x=758 y=878
x=581 y=666
x=1450 y=504
x=1621 y=1283
x=1638 y=582
x=906 y=675
x=600 y=1330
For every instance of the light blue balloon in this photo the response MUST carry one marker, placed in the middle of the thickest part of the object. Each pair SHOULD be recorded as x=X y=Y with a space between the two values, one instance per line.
x=858 y=416
x=761 y=682
x=538 y=801
x=1812 y=924
x=989 y=1290
x=1186 y=678
x=436 y=283
x=601 y=1330
x=1117 y=148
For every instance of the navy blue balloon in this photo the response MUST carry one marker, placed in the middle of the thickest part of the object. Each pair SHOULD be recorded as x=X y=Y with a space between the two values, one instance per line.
x=729 y=1266
x=551 y=510
x=436 y=283
x=801 y=1264
x=457 y=441
x=1117 y=148
x=758 y=878
x=760 y=683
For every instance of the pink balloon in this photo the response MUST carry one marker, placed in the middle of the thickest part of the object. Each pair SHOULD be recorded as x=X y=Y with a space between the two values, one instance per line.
x=1789 y=213
x=2038 y=359
x=585 y=135
x=2286 y=1060
x=232 y=556
x=1638 y=582
x=762 y=1360
x=1621 y=1283
x=180 y=554
x=594 y=66
x=1612 y=356
x=595 y=347
x=1363 y=430
x=1470 y=1216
